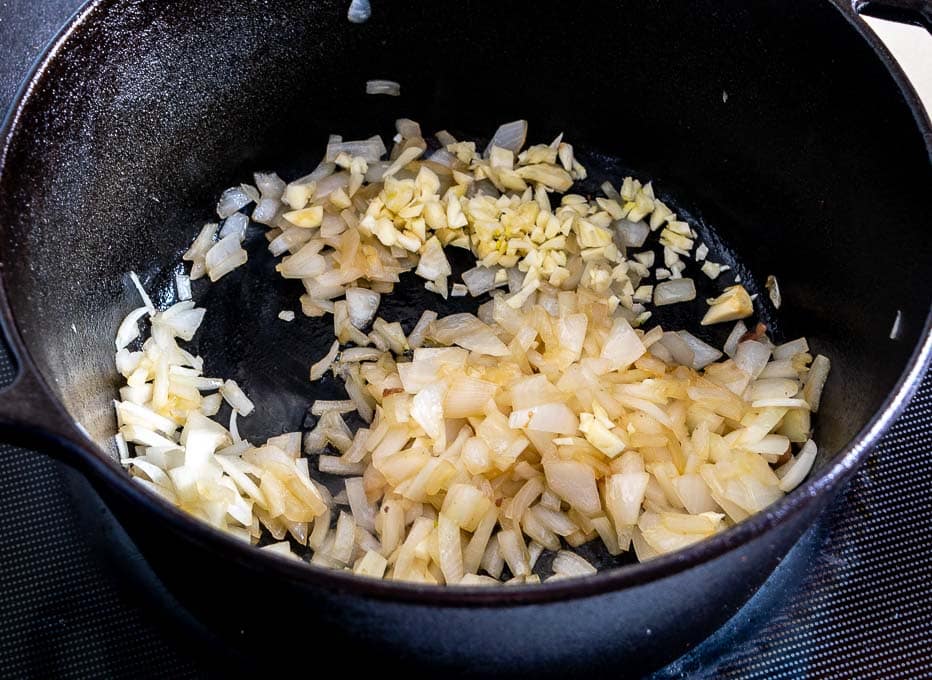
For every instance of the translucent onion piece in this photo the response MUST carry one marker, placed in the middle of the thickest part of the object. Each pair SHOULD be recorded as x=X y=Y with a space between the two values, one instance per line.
x=389 y=87
x=672 y=292
x=509 y=136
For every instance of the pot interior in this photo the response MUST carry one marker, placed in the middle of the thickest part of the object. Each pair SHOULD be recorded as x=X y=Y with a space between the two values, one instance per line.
x=773 y=127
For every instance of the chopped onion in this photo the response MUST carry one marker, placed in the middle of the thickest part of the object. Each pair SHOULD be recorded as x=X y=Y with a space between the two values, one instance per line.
x=567 y=563
x=236 y=398
x=183 y=286
x=129 y=327
x=509 y=136
x=797 y=472
x=790 y=349
x=419 y=332
x=222 y=250
x=235 y=224
x=622 y=346
x=319 y=368
x=468 y=332
x=773 y=289
x=752 y=356
x=544 y=419
x=672 y=292
x=146 y=300
x=632 y=234
x=680 y=350
x=703 y=353
x=389 y=87
x=371 y=149
x=481 y=280
x=231 y=201
x=361 y=304
x=270 y=185
x=555 y=418
x=815 y=381
x=731 y=344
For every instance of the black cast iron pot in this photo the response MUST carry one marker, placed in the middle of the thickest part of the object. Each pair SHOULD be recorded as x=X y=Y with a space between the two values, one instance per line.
x=782 y=129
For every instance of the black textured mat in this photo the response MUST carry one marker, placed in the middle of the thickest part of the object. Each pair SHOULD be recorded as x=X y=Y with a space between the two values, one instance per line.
x=77 y=602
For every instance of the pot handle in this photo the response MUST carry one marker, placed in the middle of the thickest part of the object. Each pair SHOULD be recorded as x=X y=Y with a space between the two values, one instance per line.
x=916 y=12
x=29 y=415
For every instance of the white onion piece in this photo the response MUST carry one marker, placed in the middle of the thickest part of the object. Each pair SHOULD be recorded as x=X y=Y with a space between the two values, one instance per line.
x=360 y=398
x=358 y=354
x=266 y=210
x=443 y=157
x=556 y=418
x=211 y=404
x=509 y=136
x=433 y=263
x=781 y=368
x=371 y=149
x=567 y=563
x=321 y=406
x=235 y=224
x=513 y=551
x=270 y=185
x=751 y=357
x=632 y=234
x=622 y=346
x=679 y=349
x=129 y=328
x=362 y=305
x=222 y=250
x=182 y=319
x=796 y=473
x=359 y=11
x=389 y=87
x=731 y=344
x=331 y=183
x=575 y=483
x=790 y=349
x=427 y=409
x=481 y=280
x=235 y=397
x=468 y=332
x=228 y=265
x=467 y=397
x=251 y=192
x=418 y=333
x=672 y=292
x=408 y=129
x=363 y=511
x=773 y=388
x=773 y=290
x=146 y=300
x=815 y=381
x=183 y=286
x=780 y=403
x=703 y=353
x=231 y=201
x=406 y=156
x=136 y=414
x=319 y=368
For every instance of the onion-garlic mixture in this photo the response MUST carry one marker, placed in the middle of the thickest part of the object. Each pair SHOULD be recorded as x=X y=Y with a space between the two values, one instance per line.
x=554 y=416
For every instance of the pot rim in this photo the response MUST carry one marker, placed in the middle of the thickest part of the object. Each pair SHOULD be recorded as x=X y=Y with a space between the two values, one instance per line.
x=98 y=464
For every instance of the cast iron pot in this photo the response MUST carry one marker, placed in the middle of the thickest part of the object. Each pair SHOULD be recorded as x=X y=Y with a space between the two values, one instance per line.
x=784 y=130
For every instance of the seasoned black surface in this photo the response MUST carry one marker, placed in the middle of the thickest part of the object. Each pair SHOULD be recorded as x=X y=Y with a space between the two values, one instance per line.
x=69 y=607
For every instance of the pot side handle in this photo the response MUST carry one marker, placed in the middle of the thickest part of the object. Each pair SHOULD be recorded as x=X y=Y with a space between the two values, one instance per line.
x=29 y=415
x=916 y=12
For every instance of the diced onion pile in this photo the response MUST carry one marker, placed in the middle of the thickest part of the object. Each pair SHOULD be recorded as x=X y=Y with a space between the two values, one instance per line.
x=548 y=420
